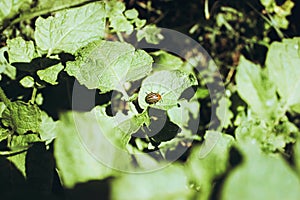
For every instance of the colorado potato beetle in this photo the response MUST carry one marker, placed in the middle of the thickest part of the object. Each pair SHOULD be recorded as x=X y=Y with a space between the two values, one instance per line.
x=152 y=98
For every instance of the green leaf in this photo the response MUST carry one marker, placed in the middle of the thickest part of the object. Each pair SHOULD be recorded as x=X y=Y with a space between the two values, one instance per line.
x=208 y=162
x=169 y=84
x=261 y=177
x=224 y=113
x=296 y=149
x=166 y=61
x=131 y=14
x=114 y=8
x=267 y=3
x=5 y=67
x=284 y=10
x=53 y=5
x=71 y=29
x=168 y=184
x=22 y=117
x=151 y=34
x=20 y=50
x=181 y=115
x=270 y=137
x=256 y=89
x=19 y=144
x=75 y=163
x=50 y=74
x=119 y=23
x=2 y=108
x=202 y=93
x=19 y=160
x=9 y=8
x=118 y=130
x=27 y=82
x=39 y=99
x=108 y=65
x=282 y=62
x=280 y=22
x=4 y=133
x=139 y=23
x=20 y=141
x=48 y=127
x=121 y=126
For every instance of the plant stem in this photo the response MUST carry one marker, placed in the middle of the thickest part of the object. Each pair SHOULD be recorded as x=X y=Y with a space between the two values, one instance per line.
x=120 y=36
x=32 y=100
x=3 y=97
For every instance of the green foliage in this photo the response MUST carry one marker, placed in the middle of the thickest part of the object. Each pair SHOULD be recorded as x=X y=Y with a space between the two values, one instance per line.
x=186 y=145
x=10 y=8
x=5 y=67
x=170 y=84
x=146 y=186
x=205 y=164
x=108 y=65
x=278 y=14
x=255 y=88
x=50 y=74
x=27 y=82
x=20 y=50
x=61 y=32
x=69 y=147
x=279 y=180
x=282 y=63
x=22 y=117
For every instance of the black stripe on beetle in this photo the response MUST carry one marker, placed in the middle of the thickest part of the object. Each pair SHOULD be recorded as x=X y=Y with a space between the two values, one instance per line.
x=152 y=98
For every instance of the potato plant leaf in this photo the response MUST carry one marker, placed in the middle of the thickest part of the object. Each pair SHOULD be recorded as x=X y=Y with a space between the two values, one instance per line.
x=48 y=128
x=5 y=67
x=171 y=182
x=169 y=84
x=50 y=74
x=208 y=162
x=108 y=65
x=166 y=61
x=181 y=115
x=245 y=181
x=22 y=117
x=224 y=113
x=150 y=33
x=20 y=50
x=70 y=29
x=282 y=62
x=10 y=8
x=75 y=163
x=256 y=89
x=27 y=82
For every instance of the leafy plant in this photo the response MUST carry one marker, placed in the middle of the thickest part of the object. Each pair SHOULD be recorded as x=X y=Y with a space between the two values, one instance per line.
x=187 y=144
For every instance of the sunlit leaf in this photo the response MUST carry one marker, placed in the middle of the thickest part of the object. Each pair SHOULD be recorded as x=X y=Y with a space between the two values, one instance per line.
x=256 y=89
x=108 y=65
x=70 y=29
x=169 y=84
